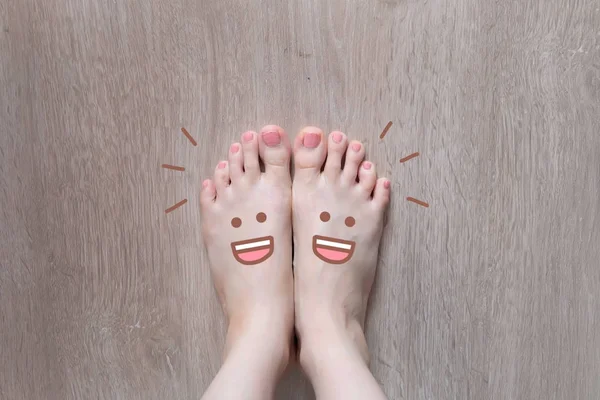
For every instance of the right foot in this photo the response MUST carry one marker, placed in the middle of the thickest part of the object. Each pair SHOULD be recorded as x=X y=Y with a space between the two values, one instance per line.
x=338 y=221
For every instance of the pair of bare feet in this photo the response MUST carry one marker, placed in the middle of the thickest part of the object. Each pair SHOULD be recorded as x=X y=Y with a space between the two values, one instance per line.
x=335 y=206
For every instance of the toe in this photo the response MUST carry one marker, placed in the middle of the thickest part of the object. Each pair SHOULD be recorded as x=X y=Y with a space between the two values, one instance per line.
x=208 y=193
x=354 y=157
x=367 y=177
x=309 y=152
x=236 y=162
x=250 y=146
x=222 y=177
x=381 y=193
x=274 y=148
x=336 y=148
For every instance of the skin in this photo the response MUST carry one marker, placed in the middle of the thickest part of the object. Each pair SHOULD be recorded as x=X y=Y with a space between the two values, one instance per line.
x=326 y=300
x=257 y=299
x=331 y=298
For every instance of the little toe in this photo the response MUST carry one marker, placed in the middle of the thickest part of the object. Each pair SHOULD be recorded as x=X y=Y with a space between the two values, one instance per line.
x=381 y=193
x=222 y=177
x=208 y=193
x=274 y=149
x=250 y=147
x=367 y=177
x=336 y=148
x=236 y=162
x=309 y=152
x=354 y=157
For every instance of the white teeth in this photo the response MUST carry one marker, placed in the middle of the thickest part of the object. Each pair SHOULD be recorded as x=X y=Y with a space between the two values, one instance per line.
x=252 y=245
x=334 y=244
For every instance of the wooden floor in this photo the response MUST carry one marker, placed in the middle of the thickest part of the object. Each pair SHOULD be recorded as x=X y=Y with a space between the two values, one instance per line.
x=493 y=292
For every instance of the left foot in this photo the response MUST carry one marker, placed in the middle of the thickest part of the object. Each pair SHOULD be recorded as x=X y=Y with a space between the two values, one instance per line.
x=246 y=225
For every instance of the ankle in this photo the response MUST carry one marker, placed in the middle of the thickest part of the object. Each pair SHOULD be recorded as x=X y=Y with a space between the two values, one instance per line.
x=262 y=338
x=330 y=340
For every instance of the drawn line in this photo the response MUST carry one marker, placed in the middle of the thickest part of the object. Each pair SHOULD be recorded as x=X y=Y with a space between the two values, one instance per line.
x=173 y=167
x=419 y=202
x=410 y=157
x=190 y=138
x=175 y=206
x=385 y=130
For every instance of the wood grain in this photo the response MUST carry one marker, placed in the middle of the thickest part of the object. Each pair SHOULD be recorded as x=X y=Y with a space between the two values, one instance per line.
x=490 y=293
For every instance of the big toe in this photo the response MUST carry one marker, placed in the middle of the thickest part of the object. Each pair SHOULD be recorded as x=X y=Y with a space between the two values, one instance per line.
x=309 y=152
x=274 y=148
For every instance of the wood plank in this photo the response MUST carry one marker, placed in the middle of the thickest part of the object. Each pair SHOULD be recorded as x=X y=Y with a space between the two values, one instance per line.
x=490 y=292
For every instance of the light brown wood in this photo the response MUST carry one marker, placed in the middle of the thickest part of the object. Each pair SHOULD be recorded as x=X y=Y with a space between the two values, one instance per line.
x=490 y=293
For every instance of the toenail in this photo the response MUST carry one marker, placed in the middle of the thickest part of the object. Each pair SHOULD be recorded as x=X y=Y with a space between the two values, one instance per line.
x=311 y=140
x=387 y=184
x=271 y=139
x=337 y=137
x=222 y=165
x=367 y=165
x=235 y=148
x=248 y=136
x=356 y=146
x=205 y=183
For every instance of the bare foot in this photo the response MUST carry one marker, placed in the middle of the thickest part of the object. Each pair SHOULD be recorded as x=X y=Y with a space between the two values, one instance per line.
x=246 y=225
x=338 y=220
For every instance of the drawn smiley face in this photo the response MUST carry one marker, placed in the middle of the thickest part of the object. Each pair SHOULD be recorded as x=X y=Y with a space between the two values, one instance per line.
x=252 y=251
x=333 y=250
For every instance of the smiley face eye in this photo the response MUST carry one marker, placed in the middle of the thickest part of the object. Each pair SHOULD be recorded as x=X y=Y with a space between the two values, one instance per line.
x=261 y=217
x=325 y=216
x=350 y=221
x=236 y=222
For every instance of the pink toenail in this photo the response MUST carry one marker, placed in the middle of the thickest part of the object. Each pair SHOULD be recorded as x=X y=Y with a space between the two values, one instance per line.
x=356 y=146
x=271 y=139
x=248 y=136
x=387 y=184
x=205 y=183
x=222 y=165
x=337 y=137
x=235 y=148
x=367 y=165
x=311 y=140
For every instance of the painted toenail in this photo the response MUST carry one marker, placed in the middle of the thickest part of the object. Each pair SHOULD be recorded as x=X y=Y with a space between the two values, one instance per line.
x=248 y=136
x=367 y=165
x=337 y=137
x=235 y=148
x=311 y=140
x=222 y=165
x=387 y=184
x=271 y=139
x=356 y=146
x=205 y=183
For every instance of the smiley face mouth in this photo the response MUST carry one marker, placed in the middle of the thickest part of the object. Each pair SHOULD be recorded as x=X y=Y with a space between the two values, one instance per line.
x=332 y=250
x=253 y=251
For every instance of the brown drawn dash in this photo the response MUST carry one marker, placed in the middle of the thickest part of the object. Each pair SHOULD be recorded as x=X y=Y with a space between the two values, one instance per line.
x=190 y=138
x=173 y=167
x=175 y=206
x=385 y=130
x=409 y=157
x=419 y=202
